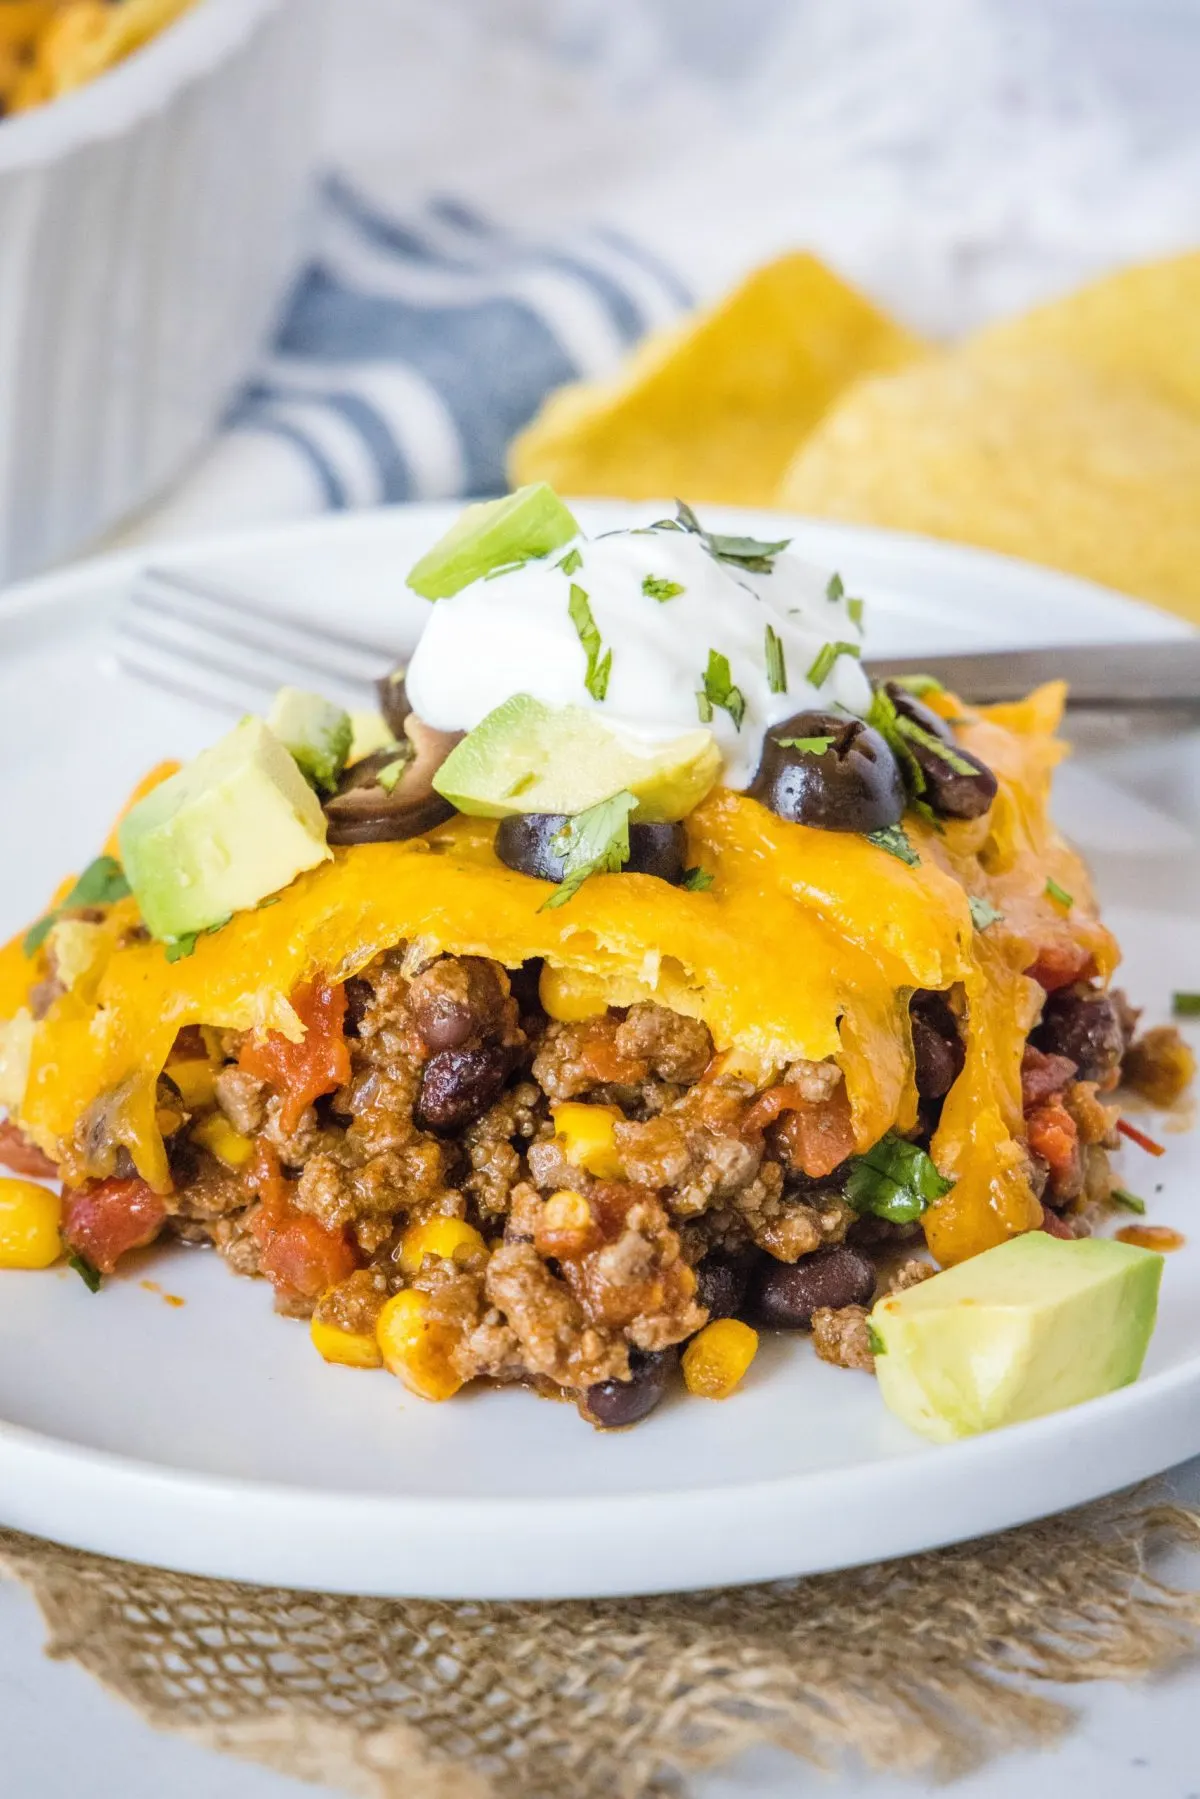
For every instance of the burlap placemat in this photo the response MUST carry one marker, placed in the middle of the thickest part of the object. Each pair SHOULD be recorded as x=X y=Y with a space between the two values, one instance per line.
x=928 y=1663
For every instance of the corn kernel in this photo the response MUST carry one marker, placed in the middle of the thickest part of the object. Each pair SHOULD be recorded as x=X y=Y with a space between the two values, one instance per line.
x=196 y=1081
x=450 y=1239
x=567 y=1211
x=586 y=1134
x=30 y=1218
x=215 y=1133
x=570 y=995
x=354 y=1349
x=717 y=1357
x=415 y=1348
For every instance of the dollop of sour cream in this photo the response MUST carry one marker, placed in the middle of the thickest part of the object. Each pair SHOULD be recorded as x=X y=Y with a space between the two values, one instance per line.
x=660 y=602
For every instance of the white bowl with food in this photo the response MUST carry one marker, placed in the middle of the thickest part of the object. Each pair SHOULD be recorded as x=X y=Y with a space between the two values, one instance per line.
x=149 y=226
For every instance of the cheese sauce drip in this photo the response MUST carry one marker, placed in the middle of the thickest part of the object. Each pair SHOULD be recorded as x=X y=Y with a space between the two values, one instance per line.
x=514 y=633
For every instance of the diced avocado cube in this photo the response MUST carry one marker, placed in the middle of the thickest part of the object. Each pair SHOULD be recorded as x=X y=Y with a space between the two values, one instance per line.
x=316 y=733
x=235 y=825
x=1031 y=1327
x=370 y=731
x=529 y=757
x=531 y=522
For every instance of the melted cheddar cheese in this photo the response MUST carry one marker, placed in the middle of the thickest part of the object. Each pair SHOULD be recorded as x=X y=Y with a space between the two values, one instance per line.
x=807 y=945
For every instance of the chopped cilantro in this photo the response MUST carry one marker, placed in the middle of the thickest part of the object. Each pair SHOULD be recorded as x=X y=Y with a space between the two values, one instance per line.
x=825 y=658
x=814 y=746
x=1185 y=1005
x=835 y=589
x=895 y=841
x=1128 y=1202
x=875 y=1342
x=87 y=1272
x=776 y=666
x=855 y=609
x=655 y=587
x=896 y=1180
x=919 y=685
x=593 y=842
x=102 y=883
x=719 y=690
x=177 y=949
x=983 y=913
x=750 y=553
x=598 y=667
x=1059 y=894
x=697 y=880
x=572 y=562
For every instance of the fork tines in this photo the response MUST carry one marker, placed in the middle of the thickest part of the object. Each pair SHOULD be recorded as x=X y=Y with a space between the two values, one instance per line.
x=188 y=635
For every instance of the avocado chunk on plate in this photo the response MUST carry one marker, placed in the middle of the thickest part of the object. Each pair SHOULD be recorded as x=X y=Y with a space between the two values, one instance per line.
x=317 y=734
x=1031 y=1327
x=529 y=757
x=233 y=826
x=491 y=535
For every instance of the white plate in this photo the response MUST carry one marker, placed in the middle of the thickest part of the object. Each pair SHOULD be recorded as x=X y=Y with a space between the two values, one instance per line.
x=211 y=1438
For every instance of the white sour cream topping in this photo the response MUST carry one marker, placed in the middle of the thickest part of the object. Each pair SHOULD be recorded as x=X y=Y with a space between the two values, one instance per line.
x=514 y=634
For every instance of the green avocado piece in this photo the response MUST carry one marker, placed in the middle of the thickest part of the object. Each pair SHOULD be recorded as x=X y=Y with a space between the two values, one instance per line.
x=236 y=824
x=1031 y=1327
x=529 y=757
x=315 y=732
x=531 y=522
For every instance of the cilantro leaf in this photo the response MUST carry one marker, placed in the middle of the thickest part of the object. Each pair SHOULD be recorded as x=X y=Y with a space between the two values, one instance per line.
x=919 y=685
x=855 y=610
x=1128 y=1202
x=875 y=1342
x=896 y=1180
x=592 y=843
x=571 y=563
x=87 y=1272
x=177 y=949
x=697 y=880
x=983 y=913
x=102 y=883
x=815 y=746
x=656 y=587
x=826 y=657
x=835 y=589
x=719 y=690
x=776 y=666
x=598 y=667
x=1059 y=894
x=1185 y=1005
x=750 y=553
x=895 y=841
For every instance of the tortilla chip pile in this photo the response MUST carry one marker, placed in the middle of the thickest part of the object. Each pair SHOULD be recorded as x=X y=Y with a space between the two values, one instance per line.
x=1070 y=436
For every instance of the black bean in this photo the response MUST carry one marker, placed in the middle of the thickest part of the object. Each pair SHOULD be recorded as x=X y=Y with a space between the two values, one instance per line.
x=784 y=1295
x=459 y=1085
x=1084 y=1026
x=526 y=843
x=612 y=1403
x=853 y=784
x=721 y=1283
x=457 y=999
x=938 y=1049
x=359 y=994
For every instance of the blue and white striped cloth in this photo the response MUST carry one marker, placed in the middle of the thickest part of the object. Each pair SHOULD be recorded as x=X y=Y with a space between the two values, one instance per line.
x=415 y=348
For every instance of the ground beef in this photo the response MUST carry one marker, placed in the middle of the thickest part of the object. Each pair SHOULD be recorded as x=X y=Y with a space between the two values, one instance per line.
x=910 y=1274
x=674 y=1048
x=240 y=1097
x=1159 y=1066
x=492 y=1148
x=649 y=1045
x=355 y=1304
x=840 y=1336
x=204 y=1188
x=549 y=1329
x=1094 y=1121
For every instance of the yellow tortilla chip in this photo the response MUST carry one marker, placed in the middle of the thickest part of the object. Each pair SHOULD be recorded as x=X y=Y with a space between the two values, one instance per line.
x=714 y=409
x=1030 y=451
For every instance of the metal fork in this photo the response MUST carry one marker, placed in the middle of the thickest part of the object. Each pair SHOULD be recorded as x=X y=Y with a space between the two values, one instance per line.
x=184 y=634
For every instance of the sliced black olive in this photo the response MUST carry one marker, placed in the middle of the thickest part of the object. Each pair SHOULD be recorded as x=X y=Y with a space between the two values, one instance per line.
x=957 y=785
x=853 y=785
x=526 y=843
x=393 y=699
x=364 y=811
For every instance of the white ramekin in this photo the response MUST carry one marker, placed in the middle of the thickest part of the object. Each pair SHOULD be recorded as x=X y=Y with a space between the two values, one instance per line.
x=149 y=226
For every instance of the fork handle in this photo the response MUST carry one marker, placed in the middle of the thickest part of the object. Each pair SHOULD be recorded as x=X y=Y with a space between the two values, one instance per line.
x=1100 y=677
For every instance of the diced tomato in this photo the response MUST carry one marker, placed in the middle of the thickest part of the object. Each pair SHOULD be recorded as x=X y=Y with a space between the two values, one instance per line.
x=1054 y=1226
x=1054 y=1137
x=106 y=1219
x=1042 y=1076
x=300 y=1257
x=319 y=1063
x=22 y=1156
x=817 y=1135
x=1061 y=963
